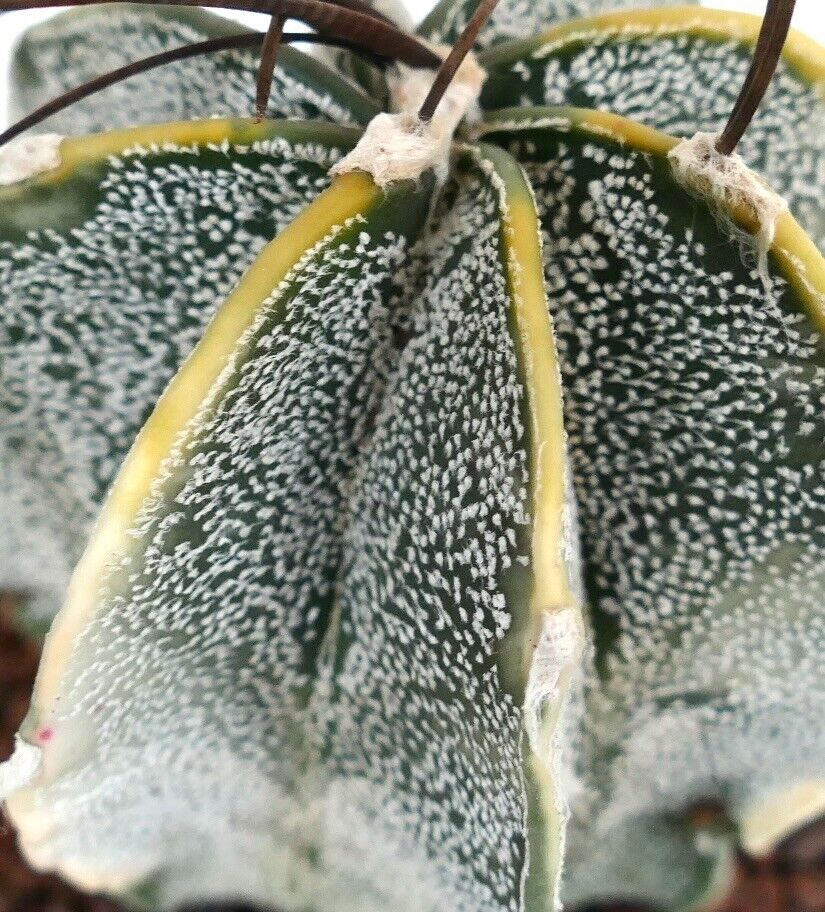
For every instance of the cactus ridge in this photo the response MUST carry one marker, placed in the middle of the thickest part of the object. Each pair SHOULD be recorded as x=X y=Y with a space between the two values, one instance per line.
x=451 y=491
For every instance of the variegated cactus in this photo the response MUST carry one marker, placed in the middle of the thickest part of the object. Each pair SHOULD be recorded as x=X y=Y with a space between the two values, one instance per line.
x=435 y=498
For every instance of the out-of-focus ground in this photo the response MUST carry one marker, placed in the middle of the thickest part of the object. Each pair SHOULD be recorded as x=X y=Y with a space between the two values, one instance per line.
x=791 y=880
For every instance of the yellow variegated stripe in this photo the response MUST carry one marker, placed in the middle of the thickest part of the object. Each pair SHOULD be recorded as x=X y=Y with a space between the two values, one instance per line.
x=551 y=594
x=801 y=52
x=521 y=241
x=350 y=195
x=803 y=265
x=526 y=279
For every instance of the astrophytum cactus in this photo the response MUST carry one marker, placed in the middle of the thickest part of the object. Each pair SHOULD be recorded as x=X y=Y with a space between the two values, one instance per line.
x=435 y=497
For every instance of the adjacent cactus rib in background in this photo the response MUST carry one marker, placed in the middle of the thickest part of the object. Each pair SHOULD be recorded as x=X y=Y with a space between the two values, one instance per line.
x=105 y=295
x=679 y=70
x=513 y=19
x=78 y=45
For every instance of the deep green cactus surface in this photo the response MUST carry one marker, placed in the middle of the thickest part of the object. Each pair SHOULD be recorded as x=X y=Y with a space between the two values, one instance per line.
x=438 y=514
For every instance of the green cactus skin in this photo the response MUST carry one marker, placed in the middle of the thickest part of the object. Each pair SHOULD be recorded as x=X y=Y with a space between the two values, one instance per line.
x=679 y=70
x=111 y=269
x=332 y=644
x=511 y=19
x=696 y=438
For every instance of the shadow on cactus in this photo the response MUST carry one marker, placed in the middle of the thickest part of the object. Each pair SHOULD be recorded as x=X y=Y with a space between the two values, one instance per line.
x=429 y=467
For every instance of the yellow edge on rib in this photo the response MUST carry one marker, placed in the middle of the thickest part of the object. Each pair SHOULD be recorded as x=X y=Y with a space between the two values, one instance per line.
x=801 y=52
x=350 y=195
x=797 y=255
x=551 y=591
x=551 y=581
x=551 y=588
x=76 y=152
x=804 y=266
x=621 y=129
x=521 y=243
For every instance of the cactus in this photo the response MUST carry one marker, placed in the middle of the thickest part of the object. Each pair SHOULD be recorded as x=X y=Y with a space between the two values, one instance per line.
x=157 y=272
x=435 y=497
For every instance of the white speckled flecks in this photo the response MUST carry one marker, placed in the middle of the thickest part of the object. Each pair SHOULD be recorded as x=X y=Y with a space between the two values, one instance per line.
x=521 y=18
x=96 y=321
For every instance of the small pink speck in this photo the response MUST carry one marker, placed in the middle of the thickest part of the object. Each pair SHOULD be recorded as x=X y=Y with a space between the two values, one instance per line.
x=45 y=735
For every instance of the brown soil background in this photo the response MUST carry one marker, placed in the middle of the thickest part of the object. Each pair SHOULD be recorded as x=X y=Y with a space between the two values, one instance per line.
x=791 y=880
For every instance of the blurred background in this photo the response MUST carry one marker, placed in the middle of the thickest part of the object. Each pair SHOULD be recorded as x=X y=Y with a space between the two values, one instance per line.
x=790 y=880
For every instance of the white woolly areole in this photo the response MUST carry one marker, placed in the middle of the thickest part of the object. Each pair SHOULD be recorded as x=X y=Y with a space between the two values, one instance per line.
x=400 y=146
x=29 y=156
x=394 y=147
x=728 y=181
x=555 y=657
x=20 y=769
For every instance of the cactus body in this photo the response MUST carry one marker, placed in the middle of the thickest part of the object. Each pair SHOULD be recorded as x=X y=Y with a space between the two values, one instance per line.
x=111 y=271
x=700 y=492
x=456 y=534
